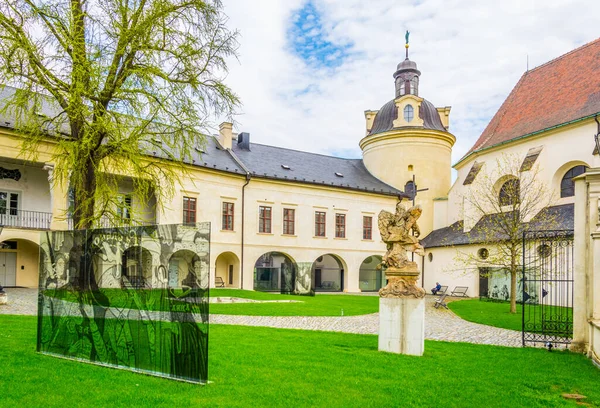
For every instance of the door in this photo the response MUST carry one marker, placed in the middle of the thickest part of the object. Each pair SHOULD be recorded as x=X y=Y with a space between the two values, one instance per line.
x=9 y=206
x=174 y=274
x=317 y=278
x=8 y=269
x=230 y=280
x=483 y=282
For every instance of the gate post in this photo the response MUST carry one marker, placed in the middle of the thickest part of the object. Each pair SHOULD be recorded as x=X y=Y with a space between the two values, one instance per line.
x=586 y=310
x=580 y=261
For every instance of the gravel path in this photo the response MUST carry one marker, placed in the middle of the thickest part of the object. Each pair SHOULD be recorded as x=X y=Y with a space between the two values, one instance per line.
x=440 y=324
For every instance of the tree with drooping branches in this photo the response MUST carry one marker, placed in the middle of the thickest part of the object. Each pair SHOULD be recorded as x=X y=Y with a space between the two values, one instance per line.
x=118 y=87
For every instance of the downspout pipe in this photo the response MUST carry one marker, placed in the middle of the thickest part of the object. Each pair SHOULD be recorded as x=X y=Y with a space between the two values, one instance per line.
x=248 y=178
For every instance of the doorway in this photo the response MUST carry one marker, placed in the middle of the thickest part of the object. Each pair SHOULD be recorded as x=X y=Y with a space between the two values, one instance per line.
x=8 y=269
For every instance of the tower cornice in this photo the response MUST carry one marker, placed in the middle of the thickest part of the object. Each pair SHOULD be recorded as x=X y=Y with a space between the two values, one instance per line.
x=408 y=132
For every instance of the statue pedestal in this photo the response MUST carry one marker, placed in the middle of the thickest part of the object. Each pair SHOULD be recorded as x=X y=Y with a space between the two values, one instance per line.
x=402 y=326
x=402 y=312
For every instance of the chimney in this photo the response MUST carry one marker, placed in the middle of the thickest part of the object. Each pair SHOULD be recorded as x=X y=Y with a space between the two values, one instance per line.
x=243 y=141
x=225 y=134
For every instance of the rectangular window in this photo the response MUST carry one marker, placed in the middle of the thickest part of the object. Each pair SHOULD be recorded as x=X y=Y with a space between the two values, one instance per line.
x=340 y=225
x=319 y=224
x=289 y=227
x=227 y=217
x=264 y=219
x=9 y=203
x=189 y=210
x=124 y=207
x=367 y=227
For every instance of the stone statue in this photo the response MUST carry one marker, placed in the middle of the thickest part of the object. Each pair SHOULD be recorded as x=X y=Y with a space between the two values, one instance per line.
x=395 y=230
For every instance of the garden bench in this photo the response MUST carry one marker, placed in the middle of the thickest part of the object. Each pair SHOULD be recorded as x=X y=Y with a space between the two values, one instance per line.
x=219 y=283
x=441 y=302
x=460 y=291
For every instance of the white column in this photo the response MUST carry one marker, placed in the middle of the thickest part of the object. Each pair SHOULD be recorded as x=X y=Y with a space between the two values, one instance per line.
x=581 y=223
x=402 y=325
x=50 y=169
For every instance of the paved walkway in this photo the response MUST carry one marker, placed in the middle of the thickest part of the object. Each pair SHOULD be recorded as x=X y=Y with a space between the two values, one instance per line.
x=440 y=324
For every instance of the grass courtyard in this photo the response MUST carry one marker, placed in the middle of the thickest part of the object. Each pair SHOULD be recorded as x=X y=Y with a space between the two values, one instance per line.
x=251 y=366
x=495 y=314
x=318 y=305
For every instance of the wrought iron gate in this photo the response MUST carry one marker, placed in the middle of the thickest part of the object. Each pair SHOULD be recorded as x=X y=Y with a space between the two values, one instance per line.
x=546 y=287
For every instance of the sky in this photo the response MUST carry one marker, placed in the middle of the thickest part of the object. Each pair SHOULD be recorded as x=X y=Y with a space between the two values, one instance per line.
x=308 y=69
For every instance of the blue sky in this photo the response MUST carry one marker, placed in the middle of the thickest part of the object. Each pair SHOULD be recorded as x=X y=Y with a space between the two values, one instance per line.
x=308 y=70
x=308 y=39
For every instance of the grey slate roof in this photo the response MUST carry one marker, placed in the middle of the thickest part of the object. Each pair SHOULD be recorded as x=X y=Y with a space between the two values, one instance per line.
x=266 y=162
x=384 y=120
x=263 y=161
x=454 y=234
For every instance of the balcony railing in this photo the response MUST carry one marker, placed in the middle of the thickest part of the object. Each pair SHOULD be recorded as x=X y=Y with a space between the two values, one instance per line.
x=106 y=223
x=10 y=218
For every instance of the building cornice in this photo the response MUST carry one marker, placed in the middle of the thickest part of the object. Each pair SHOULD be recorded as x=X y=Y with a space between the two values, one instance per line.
x=408 y=132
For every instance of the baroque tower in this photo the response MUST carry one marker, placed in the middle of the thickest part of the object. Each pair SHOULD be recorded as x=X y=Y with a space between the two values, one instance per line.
x=408 y=139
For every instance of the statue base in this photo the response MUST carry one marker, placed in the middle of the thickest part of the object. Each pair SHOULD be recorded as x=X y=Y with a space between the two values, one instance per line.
x=402 y=282
x=402 y=325
x=402 y=312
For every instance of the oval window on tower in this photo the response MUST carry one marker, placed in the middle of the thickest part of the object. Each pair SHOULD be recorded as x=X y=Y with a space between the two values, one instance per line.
x=409 y=113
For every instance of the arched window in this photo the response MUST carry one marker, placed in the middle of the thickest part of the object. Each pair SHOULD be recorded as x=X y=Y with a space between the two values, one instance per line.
x=567 y=186
x=410 y=189
x=409 y=113
x=510 y=193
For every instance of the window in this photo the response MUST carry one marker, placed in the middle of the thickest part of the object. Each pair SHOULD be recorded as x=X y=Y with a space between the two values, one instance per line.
x=483 y=253
x=9 y=203
x=409 y=113
x=532 y=155
x=227 y=222
x=340 y=225
x=510 y=193
x=567 y=186
x=189 y=210
x=124 y=206
x=70 y=201
x=367 y=227
x=264 y=219
x=319 y=224
x=473 y=173
x=289 y=216
x=411 y=189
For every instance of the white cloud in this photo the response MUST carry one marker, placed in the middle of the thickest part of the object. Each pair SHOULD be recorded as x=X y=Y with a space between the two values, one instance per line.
x=470 y=54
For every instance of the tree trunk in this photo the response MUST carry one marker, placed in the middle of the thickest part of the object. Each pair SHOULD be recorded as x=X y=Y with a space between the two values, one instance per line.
x=513 y=290
x=84 y=196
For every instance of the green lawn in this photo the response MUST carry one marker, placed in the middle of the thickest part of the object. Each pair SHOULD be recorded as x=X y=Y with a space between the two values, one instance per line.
x=251 y=367
x=494 y=313
x=318 y=305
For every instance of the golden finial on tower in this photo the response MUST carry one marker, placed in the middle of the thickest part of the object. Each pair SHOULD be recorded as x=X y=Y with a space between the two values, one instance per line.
x=406 y=45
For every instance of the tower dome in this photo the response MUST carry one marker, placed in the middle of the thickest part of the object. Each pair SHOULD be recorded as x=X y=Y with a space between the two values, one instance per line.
x=385 y=117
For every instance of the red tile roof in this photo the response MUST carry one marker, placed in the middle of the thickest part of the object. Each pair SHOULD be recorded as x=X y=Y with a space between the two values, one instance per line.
x=559 y=91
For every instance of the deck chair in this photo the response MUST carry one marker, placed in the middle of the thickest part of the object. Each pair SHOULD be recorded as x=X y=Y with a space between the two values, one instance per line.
x=460 y=291
x=441 y=302
x=219 y=283
x=442 y=291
